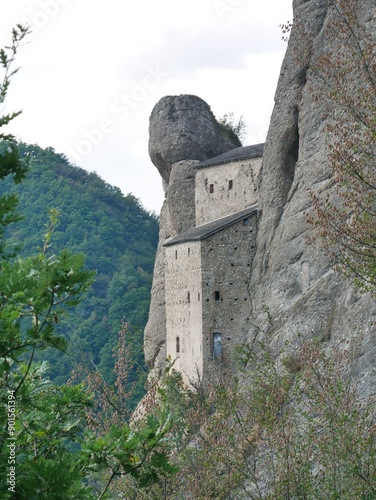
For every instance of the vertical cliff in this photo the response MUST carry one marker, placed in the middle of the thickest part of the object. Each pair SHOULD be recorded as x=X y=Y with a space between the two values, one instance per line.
x=294 y=279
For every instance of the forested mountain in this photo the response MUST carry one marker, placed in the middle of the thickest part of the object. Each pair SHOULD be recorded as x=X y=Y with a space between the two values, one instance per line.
x=118 y=237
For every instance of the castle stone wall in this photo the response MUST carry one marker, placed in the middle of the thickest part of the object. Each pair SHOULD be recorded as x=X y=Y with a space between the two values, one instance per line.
x=225 y=189
x=226 y=273
x=208 y=298
x=184 y=308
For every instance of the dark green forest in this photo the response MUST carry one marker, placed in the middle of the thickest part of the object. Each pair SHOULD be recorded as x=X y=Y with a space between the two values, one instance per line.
x=118 y=238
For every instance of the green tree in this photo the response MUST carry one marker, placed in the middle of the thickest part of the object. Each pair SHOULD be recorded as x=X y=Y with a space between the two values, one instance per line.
x=46 y=449
x=10 y=162
x=34 y=293
x=236 y=131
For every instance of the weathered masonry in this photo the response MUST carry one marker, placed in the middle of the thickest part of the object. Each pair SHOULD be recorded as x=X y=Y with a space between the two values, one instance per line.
x=227 y=183
x=208 y=267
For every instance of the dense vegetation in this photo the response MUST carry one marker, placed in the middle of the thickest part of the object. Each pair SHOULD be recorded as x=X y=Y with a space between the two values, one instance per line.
x=289 y=425
x=116 y=235
x=59 y=441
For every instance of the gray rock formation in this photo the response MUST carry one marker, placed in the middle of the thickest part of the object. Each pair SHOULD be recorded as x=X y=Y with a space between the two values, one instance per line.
x=293 y=279
x=177 y=215
x=184 y=128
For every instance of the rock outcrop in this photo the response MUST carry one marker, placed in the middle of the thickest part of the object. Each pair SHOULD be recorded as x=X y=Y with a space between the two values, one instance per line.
x=184 y=128
x=294 y=279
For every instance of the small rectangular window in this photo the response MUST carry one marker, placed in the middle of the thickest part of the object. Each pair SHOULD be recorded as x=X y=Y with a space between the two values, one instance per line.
x=211 y=188
x=217 y=295
x=189 y=297
x=230 y=184
x=176 y=254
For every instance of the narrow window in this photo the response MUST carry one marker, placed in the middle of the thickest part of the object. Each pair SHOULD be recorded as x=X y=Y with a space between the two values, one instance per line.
x=217 y=345
x=198 y=297
x=245 y=222
x=211 y=188
x=230 y=184
x=176 y=255
x=189 y=297
x=178 y=345
x=217 y=295
x=189 y=251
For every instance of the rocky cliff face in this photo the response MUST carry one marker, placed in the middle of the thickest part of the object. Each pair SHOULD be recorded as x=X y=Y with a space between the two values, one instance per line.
x=295 y=280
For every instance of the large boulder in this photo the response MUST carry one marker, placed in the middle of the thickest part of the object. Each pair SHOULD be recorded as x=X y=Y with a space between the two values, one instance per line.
x=184 y=128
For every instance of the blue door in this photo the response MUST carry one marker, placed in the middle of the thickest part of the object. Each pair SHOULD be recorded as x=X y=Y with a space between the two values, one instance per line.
x=217 y=345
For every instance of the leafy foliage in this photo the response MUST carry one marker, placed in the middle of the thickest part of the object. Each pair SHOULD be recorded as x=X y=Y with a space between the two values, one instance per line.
x=235 y=131
x=7 y=58
x=45 y=450
x=10 y=162
x=34 y=294
x=274 y=432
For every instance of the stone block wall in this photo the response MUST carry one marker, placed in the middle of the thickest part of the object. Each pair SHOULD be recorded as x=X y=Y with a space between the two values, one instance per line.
x=226 y=259
x=184 y=308
x=226 y=188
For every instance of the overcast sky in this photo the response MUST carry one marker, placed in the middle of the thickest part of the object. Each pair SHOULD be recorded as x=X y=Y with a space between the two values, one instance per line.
x=94 y=69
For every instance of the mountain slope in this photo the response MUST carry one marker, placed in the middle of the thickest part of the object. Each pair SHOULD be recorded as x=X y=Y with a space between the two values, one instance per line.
x=118 y=238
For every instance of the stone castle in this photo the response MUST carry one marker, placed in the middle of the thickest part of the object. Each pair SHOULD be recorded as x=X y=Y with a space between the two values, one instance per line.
x=208 y=267
x=233 y=230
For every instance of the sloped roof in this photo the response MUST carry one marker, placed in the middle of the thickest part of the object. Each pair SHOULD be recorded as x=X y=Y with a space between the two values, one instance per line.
x=205 y=230
x=242 y=153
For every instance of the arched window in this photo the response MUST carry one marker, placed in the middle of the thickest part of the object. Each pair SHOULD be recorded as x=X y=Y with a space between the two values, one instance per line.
x=177 y=344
